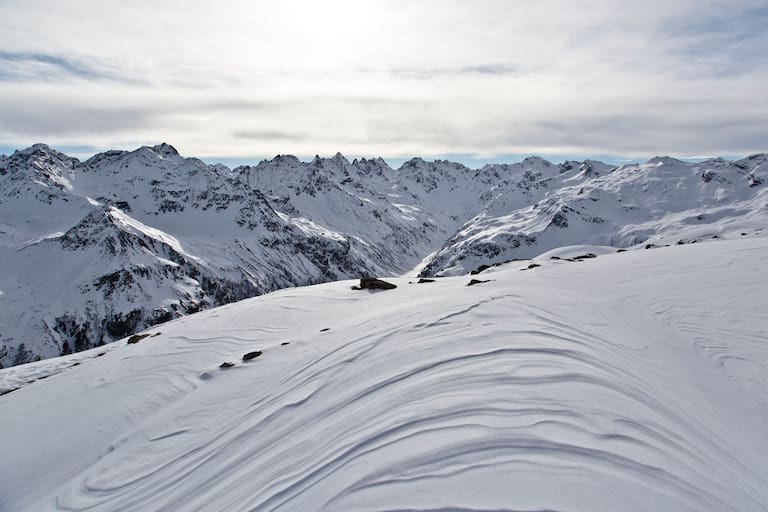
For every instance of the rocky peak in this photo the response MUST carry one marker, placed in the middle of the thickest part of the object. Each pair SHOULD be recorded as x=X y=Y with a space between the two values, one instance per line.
x=664 y=160
x=98 y=228
x=35 y=149
x=285 y=222
x=288 y=160
x=414 y=163
x=165 y=149
x=104 y=158
x=40 y=168
x=42 y=155
x=536 y=162
x=372 y=166
x=340 y=159
x=753 y=161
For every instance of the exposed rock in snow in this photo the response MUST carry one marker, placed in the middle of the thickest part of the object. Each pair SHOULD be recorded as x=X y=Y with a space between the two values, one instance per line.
x=95 y=250
x=633 y=381
x=660 y=202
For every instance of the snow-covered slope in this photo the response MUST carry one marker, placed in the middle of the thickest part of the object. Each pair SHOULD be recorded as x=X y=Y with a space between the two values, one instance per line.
x=633 y=381
x=664 y=201
x=96 y=250
x=92 y=251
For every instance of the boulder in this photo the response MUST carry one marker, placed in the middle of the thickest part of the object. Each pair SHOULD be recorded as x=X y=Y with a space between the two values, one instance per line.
x=251 y=355
x=371 y=283
x=479 y=269
x=136 y=338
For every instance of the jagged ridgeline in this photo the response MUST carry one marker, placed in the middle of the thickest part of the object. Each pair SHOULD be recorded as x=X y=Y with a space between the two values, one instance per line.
x=97 y=250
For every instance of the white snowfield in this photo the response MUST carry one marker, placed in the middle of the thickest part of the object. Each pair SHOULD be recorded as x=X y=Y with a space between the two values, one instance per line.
x=93 y=251
x=627 y=382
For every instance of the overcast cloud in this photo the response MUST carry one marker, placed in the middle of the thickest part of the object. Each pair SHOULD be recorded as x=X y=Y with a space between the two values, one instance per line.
x=395 y=78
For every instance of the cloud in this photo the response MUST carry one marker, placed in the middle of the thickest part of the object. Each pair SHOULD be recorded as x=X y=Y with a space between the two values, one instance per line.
x=75 y=121
x=388 y=77
x=480 y=69
x=267 y=135
x=33 y=67
x=724 y=41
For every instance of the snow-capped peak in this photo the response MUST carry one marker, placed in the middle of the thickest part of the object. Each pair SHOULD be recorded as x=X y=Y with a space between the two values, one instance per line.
x=665 y=160
x=284 y=222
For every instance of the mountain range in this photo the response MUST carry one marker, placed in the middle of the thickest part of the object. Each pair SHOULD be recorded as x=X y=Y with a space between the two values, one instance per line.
x=93 y=251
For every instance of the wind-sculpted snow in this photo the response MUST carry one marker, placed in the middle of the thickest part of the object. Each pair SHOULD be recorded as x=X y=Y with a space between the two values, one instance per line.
x=149 y=235
x=628 y=381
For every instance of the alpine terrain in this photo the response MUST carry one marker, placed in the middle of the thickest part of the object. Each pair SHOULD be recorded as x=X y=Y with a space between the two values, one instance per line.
x=583 y=380
x=93 y=251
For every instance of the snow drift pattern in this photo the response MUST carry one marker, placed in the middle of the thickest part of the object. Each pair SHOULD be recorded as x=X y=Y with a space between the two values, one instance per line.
x=622 y=382
x=96 y=250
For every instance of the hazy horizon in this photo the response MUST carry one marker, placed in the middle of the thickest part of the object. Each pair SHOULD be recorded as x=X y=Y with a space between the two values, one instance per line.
x=471 y=161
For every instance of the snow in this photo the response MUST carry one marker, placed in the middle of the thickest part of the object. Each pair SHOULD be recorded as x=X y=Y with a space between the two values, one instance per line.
x=285 y=223
x=408 y=211
x=49 y=236
x=418 y=268
x=167 y=261
x=312 y=229
x=572 y=251
x=149 y=231
x=633 y=381
x=661 y=202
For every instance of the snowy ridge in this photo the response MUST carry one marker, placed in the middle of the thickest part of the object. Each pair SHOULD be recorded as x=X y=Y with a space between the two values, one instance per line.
x=623 y=382
x=96 y=250
x=173 y=235
x=664 y=201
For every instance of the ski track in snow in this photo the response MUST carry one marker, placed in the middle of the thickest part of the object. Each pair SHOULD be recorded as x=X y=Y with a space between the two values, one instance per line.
x=627 y=382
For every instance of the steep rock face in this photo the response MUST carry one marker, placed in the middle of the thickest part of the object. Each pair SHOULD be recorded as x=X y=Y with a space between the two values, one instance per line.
x=359 y=199
x=93 y=251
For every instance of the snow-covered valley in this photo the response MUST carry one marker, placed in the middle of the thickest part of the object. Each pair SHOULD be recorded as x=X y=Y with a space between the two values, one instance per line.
x=97 y=250
x=628 y=381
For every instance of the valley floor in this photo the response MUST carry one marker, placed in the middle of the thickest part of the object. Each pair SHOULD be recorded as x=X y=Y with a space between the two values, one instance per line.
x=632 y=381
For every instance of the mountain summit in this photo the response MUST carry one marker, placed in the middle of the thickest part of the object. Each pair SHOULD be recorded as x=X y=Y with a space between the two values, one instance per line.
x=93 y=251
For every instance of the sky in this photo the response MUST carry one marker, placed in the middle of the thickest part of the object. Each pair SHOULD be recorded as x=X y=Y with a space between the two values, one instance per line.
x=482 y=80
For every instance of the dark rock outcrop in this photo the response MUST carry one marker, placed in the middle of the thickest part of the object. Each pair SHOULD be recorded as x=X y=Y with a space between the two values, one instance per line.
x=372 y=283
x=252 y=355
x=137 y=338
